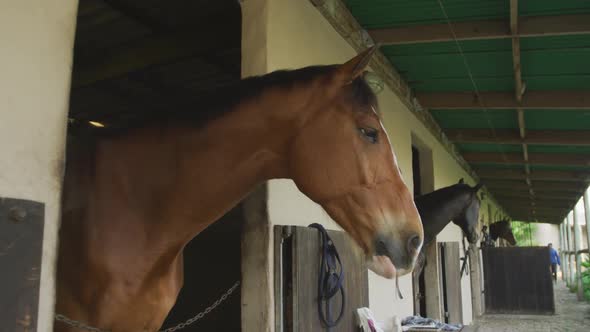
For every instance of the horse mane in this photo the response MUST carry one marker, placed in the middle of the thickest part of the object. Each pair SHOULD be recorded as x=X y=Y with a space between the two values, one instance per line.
x=435 y=196
x=218 y=102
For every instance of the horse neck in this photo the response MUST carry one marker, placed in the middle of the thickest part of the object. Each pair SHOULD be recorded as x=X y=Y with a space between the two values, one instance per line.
x=438 y=208
x=188 y=178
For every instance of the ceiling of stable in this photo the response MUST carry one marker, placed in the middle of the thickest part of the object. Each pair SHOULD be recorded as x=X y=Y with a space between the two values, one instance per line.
x=509 y=84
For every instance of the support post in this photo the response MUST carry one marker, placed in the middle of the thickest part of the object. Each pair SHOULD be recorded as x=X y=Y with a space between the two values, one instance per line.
x=257 y=237
x=35 y=65
x=577 y=256
x=475 y=278
x=586 y=209
x=563 y=247
x=570 y=261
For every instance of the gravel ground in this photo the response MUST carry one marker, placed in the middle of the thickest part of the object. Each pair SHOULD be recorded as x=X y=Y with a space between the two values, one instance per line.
x=571 y=316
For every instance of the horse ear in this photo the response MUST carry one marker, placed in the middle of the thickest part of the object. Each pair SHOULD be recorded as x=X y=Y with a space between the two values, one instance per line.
x=356 y=66
x=461 y=180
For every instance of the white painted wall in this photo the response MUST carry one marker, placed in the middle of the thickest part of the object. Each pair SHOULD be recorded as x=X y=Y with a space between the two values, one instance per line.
x=297 y=35
x=547 y=233
x=35 y=67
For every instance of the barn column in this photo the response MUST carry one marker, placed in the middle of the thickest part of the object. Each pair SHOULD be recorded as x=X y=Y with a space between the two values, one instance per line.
x=586 y=209
x=563 y=250
x=571 y=265
x=35 y=67
x=475 y=278
x=257 y=281
x=578 y=259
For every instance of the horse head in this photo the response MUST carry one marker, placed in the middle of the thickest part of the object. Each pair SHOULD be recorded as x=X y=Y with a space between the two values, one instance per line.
x=468 y=219
x=502 y=229
x=341 y=158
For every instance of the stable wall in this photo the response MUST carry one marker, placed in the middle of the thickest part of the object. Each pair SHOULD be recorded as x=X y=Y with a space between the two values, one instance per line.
x=545 y=234
x=297 y=35
x=35 y=65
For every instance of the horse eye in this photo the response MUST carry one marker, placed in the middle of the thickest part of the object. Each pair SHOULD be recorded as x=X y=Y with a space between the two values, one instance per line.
x=369 y=134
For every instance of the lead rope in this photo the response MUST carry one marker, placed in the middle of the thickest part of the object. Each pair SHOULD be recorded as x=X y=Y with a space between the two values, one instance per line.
x=82 y=326
x=399 y=292
x=330 y=279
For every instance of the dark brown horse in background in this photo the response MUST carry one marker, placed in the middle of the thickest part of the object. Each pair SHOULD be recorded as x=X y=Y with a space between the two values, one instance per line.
x=457 y=203
x=502 y=230
x=135 y=196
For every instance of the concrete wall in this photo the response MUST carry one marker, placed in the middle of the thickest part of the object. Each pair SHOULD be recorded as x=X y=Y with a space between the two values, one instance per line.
x=297 y=35
x=547 y=233
x=35 y=66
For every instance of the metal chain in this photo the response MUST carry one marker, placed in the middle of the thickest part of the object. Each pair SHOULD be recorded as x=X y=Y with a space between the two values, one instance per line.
x=82 y=326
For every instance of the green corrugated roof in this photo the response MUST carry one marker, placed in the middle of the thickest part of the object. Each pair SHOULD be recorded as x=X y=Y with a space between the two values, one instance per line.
x=389 y=13
x=557 y=119
x=534 y=148
x=547 y=62
x=552 y=7
x=484 y=147
x=440 y=67
x=475 y=118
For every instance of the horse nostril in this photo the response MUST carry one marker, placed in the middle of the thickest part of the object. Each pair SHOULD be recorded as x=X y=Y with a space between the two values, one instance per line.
x=414 y=243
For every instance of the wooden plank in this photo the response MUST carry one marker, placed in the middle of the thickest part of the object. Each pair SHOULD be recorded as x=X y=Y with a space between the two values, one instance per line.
x=21 y=241
x=452 y=272
x=528 y=202
x=306 y=260
x=518 y=281
x=484 y=29
x=509 y=136
x=434 y=307
x=541 y=175
x=542 y=185
x=505 y=100
x=570 y=159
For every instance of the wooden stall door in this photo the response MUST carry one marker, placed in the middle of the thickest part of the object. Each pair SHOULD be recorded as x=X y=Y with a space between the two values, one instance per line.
x=518 y=280
x=297 y=252
x=451 y=266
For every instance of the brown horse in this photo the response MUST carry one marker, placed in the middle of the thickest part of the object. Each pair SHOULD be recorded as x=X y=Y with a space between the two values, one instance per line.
x=135 y=196
x=502 y=229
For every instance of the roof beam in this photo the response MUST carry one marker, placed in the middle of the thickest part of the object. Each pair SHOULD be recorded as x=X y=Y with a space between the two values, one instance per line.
x=560 y=159
x=539 y=175
x=525 y=195
x=156 y=49
x=509 y=136
x=574 y=194
x=519 y=88
x=505 y=100
x=488 y=29
x=550 y=185
x=557 y=186
x=536 y=203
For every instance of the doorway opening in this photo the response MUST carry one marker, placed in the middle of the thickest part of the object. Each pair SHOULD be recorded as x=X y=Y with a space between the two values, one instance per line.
x=423 y=180
x=136 y=58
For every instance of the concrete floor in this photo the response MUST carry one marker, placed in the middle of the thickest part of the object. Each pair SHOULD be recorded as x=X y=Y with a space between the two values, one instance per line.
x=571 y=316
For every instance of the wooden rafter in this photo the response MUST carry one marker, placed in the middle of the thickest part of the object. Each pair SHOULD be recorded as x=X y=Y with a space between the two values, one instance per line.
x=557 y=186
x=509 y=136
x=539 y=192
x=568 y=159
x=505 y=100
x=541 y=175
x=501 y=196
x=489 y=29
x=518 y=87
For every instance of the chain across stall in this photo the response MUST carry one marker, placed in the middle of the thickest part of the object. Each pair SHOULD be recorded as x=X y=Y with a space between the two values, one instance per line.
x=180 y=326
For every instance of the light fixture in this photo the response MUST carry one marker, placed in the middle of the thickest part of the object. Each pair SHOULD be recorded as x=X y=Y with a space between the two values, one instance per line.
x=96 y=124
